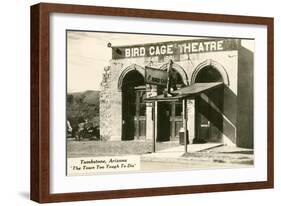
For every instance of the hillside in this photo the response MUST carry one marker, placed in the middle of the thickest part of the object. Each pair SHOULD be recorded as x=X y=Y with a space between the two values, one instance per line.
x=83 y=105
x=92 y=97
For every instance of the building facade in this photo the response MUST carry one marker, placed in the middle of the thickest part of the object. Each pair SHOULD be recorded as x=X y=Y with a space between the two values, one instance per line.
x=223 y=115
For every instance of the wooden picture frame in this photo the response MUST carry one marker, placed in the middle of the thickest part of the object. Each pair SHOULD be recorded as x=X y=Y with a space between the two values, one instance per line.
x=40 y=101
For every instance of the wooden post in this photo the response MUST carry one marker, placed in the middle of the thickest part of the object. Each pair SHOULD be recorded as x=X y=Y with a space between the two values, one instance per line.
x=184 y=121
x=156 y=123
x=173 y=121
x=153 y=128
x=137 y=107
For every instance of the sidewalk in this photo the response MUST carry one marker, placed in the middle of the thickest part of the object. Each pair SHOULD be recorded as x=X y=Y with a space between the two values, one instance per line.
x=209 y=152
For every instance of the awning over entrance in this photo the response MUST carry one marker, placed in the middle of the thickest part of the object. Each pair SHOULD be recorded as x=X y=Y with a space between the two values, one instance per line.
x=187 y=92
x=182 y=94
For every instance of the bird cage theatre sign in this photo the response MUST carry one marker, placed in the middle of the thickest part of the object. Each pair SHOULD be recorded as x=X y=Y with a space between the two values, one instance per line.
x=203 y=87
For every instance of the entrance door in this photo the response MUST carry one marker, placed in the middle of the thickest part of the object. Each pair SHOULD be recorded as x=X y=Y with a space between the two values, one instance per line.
x=140 y=114
x=176 y=119
x=208 y=107
x=128 y=111
x=163 y=126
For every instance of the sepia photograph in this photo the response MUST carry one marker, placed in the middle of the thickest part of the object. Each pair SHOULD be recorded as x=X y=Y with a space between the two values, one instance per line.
x=158 y=103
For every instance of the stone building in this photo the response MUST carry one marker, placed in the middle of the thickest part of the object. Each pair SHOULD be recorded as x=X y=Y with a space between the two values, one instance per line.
x=221 y=115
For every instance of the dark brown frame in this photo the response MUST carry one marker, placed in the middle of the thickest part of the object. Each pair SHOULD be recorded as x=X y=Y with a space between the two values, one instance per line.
x=40 y=96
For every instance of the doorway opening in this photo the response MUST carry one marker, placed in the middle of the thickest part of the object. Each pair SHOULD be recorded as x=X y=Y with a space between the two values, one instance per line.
x=169 y=115
x=209 y=107
x=133 y=106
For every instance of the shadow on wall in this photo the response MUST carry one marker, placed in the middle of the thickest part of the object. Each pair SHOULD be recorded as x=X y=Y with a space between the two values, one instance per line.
x=221 y=112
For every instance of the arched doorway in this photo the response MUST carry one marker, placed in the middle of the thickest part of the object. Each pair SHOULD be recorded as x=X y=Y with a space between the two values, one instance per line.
x=133 y=106
x=169 y=114
x=209 y=107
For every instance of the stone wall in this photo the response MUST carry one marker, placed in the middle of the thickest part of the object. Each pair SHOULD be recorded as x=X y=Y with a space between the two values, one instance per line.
x=105 y=102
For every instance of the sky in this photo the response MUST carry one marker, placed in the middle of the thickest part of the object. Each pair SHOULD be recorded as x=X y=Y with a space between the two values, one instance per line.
x=88 y=54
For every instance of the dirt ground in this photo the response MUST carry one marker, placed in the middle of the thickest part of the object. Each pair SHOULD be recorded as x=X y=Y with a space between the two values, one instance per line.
x=224 y=154
x=222 y=157
x=112 y=148
x=188 y=165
